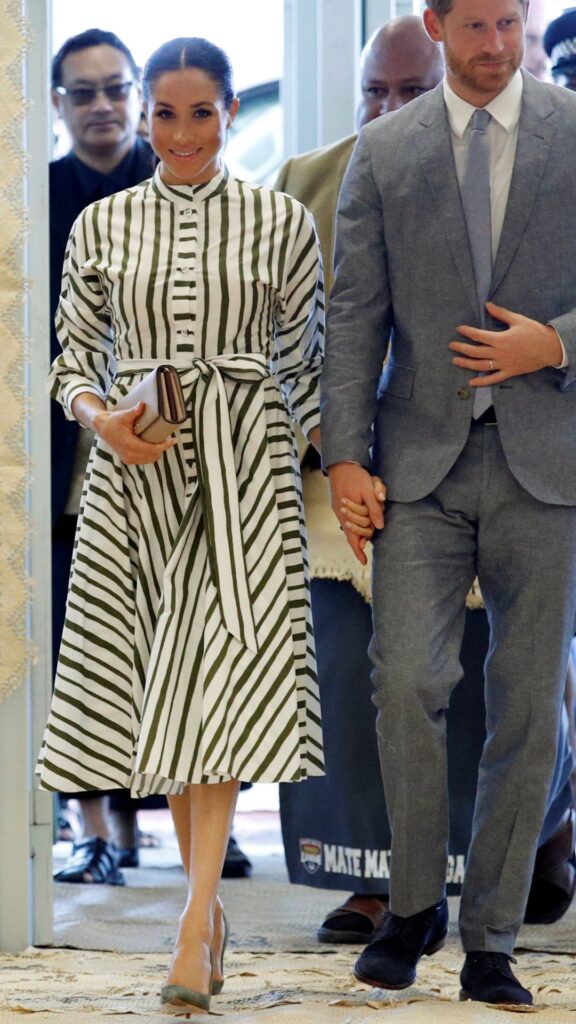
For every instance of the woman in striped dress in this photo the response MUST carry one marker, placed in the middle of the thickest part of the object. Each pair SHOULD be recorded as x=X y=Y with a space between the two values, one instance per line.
x=187 y=660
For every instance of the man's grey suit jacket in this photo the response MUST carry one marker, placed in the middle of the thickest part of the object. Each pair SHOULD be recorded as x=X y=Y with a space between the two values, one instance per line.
x=404 y=272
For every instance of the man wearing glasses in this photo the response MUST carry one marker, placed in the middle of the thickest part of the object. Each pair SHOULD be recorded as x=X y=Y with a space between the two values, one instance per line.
x=95 y=92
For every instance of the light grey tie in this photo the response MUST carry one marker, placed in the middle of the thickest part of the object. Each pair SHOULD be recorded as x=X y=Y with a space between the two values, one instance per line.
x=475 y=191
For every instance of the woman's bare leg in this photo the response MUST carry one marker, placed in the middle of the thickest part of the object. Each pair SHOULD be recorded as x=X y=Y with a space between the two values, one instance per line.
x=202 y=817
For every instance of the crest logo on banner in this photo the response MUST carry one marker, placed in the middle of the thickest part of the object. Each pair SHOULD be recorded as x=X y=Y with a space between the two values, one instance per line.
x=311 y=855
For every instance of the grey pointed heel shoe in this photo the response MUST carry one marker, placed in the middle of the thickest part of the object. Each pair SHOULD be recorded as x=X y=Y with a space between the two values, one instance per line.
x=218 y=983
x=178 y=997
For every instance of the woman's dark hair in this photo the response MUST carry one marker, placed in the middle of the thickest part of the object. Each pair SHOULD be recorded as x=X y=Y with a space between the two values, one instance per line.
x=191 y=52
x=91 y=37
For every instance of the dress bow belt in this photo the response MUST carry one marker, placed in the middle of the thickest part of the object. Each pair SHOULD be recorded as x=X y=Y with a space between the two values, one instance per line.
x=217 y=478
x=214 y=446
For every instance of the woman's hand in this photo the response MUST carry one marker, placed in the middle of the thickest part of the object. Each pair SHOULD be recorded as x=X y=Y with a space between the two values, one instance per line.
x=357 y=517
x=117 y=430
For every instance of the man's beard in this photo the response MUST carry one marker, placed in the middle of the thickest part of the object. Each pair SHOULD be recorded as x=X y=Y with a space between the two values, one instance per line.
x=480 y=79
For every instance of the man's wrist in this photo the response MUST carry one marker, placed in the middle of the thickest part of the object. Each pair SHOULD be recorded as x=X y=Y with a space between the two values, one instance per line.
x=557 y=358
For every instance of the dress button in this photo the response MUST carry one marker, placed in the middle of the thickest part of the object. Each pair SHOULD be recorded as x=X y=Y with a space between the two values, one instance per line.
x=184 y=268
x=186 y=213
x=464 y=394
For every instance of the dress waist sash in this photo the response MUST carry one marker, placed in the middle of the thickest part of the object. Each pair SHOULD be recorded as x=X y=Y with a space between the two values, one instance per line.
x=217 y=478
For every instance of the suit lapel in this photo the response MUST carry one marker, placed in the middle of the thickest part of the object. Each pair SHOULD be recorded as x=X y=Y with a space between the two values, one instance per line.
x=536 y=132
x=434 y=144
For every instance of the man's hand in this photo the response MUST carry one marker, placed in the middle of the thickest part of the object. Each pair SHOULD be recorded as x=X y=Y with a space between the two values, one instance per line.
x=525 y=347
x=357 y=501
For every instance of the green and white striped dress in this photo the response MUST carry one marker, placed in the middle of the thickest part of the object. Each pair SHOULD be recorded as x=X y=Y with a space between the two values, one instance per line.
x=187 y=654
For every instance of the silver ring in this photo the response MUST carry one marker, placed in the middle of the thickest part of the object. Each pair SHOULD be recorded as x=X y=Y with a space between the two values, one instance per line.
x=491 y=364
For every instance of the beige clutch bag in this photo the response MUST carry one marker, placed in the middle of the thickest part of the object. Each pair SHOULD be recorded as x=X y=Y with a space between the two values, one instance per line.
x=162 y=395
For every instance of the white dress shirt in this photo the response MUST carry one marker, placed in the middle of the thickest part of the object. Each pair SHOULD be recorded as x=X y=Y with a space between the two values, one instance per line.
x=502 y=136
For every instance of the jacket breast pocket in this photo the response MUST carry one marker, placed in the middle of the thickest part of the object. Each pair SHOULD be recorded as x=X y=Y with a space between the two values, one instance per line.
x=397 y=381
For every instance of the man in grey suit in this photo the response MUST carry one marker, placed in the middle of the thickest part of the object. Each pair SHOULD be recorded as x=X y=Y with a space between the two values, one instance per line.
x=449 y=213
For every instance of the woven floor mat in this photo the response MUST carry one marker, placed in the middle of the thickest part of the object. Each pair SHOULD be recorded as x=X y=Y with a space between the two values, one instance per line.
x=69 y=986
x=266 y=913
x=276 y=971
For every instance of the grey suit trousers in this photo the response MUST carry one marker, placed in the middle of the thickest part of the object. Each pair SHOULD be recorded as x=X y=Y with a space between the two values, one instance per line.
x=478 y=520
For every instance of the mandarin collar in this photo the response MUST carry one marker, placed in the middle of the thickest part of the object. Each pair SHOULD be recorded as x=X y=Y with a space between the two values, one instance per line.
x=185 y=193
x=505 y=107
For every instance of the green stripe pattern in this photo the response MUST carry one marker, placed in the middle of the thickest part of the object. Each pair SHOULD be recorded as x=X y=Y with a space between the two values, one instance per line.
x=188 y=653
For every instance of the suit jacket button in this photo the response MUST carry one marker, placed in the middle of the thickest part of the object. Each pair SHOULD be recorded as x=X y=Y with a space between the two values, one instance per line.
x=464 y=394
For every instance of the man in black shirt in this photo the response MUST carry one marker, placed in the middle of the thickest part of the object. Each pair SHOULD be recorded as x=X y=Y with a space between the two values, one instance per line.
x=95 y=91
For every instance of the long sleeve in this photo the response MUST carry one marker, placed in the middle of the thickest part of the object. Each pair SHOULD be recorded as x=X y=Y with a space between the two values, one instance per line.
x=360 y=317
x=83 y=323
x=299 y=336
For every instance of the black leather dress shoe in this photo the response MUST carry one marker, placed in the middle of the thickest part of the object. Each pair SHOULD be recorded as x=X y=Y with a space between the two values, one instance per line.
x=390 y=959
x=488 y=978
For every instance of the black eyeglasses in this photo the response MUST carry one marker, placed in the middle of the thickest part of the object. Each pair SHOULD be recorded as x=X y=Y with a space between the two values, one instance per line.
x=85 y=94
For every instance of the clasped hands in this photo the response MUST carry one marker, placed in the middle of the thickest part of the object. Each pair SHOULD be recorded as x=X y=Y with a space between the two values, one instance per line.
x=358 y=503
x=525 y=347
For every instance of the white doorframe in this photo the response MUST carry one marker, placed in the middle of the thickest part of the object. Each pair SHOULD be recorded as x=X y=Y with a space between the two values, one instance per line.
x=40 y=622
x=25 y=815
x=377 y=12
x=322 y=42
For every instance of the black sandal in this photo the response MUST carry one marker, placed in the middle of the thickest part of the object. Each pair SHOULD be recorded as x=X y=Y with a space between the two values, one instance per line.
x=65 y=832
x=127 y=858
x=93 y=857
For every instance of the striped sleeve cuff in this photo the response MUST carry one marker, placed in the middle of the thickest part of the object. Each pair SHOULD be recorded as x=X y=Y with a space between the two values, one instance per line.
x=72 y=390
x=310 y=421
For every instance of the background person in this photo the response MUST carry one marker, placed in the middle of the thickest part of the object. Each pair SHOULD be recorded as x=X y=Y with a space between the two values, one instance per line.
x=472 y=437
x=560 y=45
x=187 y=658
